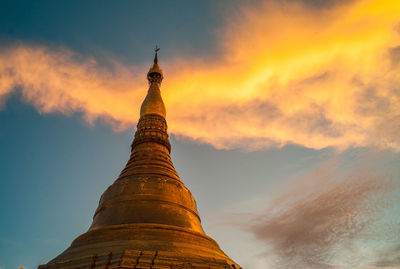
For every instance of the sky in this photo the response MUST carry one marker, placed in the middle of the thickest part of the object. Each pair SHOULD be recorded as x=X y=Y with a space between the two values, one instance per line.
x=283 y=119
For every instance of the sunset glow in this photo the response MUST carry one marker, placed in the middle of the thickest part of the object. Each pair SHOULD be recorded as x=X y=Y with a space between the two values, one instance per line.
x=316 y=79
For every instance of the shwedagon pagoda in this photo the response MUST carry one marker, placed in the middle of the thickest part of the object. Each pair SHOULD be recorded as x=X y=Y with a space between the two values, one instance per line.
x=147 y=218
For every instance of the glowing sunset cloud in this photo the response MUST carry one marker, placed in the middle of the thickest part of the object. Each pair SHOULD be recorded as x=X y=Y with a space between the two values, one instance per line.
x=286 y=74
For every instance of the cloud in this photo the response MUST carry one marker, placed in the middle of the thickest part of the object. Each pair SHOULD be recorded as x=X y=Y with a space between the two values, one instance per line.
x=389 y=259
x=339 y=216
x=62 y=81
x=286 y=74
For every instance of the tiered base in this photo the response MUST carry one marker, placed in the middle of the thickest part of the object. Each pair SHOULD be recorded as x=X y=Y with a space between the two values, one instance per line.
x=130 y=259
x=142 y=246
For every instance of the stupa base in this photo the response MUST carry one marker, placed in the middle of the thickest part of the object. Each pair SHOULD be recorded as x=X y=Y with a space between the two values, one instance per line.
x=142 y=246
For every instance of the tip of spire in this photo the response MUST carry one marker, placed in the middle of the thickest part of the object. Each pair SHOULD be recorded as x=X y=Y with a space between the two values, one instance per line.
x=155 y=56
x=155 y=73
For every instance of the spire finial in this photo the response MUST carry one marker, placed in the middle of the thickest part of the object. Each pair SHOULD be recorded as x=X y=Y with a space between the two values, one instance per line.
x=155 y=56
x=155 y=74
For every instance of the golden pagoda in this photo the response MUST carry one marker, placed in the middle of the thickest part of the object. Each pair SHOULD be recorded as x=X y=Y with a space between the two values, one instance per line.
x=147 y=219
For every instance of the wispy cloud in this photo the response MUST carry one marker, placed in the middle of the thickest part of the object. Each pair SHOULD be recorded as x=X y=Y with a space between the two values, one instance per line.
x=286 y=73
x=339 y=216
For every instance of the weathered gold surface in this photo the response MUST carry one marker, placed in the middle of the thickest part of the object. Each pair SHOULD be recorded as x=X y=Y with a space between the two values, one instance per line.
x=147 y=218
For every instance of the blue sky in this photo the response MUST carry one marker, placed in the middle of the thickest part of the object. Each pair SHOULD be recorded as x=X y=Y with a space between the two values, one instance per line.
x=254 y=191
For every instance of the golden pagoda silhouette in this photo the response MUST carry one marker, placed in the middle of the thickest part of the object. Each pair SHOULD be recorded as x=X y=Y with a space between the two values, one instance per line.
x=147 y=219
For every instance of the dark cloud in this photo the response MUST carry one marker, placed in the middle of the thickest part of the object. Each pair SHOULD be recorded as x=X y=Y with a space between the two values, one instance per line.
x=305 y=234
x=321 y=225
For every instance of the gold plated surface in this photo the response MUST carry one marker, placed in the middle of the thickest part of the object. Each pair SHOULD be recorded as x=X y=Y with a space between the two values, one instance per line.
x=153 y=103
x=147 y=218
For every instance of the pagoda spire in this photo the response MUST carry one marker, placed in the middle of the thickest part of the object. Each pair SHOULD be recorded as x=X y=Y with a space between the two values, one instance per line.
x=147 y=218
x=153 y=103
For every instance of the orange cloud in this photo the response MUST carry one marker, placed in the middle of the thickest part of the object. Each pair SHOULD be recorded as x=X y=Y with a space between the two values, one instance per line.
x=286 y=74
